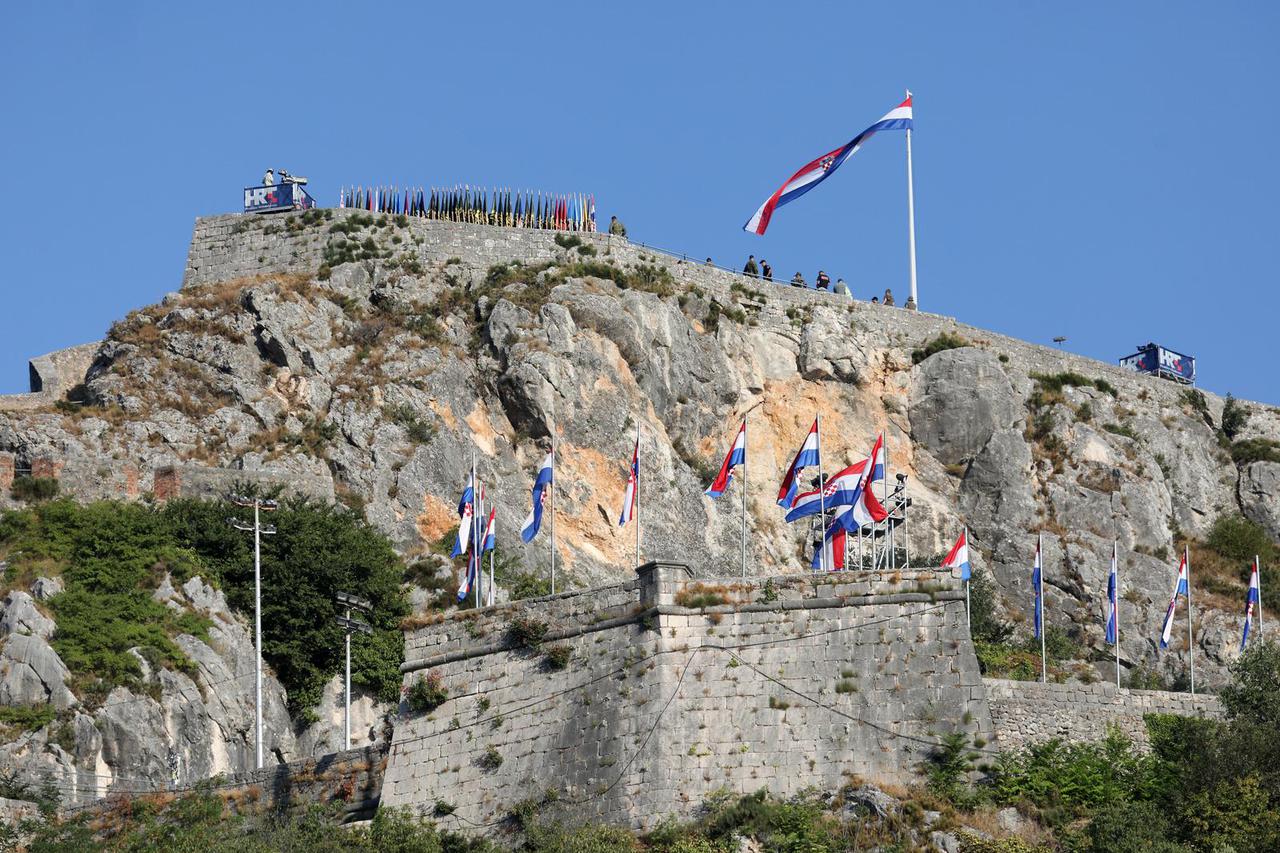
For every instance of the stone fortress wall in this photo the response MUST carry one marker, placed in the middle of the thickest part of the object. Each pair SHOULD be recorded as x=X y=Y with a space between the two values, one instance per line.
x=1027 y=712
x=791 y=683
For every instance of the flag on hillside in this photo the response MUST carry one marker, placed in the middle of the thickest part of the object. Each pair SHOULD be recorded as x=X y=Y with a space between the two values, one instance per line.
x=629 y=496
x=817 y=171
x=468 y=578
x=805 y=457
x=736 y=456
x=1037 y=581
x=1252 y=599
x=833 y=548
x=842 y=488
x=541 y=482
x=958 y=556
x=490 y=532
x=1180 y=588
x=466 y=510
x=1113 y=599
x=865 y=509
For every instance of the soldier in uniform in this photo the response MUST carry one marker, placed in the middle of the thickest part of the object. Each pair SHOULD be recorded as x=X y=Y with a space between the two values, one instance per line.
x=750 y=269
x=798 y=281
x=616 y=227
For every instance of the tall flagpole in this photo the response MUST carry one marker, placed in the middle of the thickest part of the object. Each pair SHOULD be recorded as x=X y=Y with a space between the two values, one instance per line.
x=552 y=487
x=1257 y=567
x=1191 y=647
x=1044 y=627
x=636 y=497
x=476 y=509
x=822 y=503
x=968 y=615
x=1115 y=561
x=490 y=598
x=744 y=496
x=884 y=492
x=911 y=215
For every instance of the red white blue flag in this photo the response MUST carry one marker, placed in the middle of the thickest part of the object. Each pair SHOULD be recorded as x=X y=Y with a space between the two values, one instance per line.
x=1037 y=582
x=1251 y=600
x=546 y=473
x=736 y=456
x=629 y=496
x=815 y=172
x=864 y=509
x=958 y=556
x=806 y=456
x=1113 y=599
x=1182 y=587
x=466 y=510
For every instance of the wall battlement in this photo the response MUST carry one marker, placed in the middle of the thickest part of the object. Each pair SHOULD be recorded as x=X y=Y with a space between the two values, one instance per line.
x=676 y=686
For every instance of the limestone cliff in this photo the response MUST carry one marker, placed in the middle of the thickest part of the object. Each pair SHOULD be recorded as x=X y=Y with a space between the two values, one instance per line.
x=378 y=354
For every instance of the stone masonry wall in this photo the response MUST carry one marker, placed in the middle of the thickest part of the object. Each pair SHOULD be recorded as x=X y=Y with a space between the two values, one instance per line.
x=1026 y=712
x=791 y=682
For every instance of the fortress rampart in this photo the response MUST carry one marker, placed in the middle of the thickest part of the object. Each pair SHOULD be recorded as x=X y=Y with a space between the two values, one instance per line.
x=675 y=687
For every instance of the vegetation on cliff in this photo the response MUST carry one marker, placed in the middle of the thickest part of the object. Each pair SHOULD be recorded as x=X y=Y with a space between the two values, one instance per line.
x=112 y=556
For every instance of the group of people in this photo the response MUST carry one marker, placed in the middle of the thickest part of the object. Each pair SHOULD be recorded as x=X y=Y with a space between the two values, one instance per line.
x=762 y=270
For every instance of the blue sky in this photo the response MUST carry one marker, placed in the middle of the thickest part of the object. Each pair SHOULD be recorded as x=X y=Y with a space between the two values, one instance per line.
x=1101 y=171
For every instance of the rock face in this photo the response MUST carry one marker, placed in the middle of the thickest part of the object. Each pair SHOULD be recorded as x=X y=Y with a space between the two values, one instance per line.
x=205 y=719
x=380 y=379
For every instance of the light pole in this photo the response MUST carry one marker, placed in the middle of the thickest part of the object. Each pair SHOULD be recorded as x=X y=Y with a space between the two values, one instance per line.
x=259 y=529
x=349 y=624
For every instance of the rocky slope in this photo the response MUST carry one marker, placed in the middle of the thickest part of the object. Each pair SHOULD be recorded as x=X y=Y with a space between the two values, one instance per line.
x=381 y=355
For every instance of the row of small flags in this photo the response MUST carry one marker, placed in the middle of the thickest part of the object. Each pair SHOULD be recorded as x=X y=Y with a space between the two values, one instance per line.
x=511 y=208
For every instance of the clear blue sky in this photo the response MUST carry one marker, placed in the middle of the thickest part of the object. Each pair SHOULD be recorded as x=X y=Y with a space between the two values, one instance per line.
x=1102 y=171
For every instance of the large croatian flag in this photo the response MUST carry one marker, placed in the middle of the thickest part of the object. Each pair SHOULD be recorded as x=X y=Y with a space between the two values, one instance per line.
x=1250 y=602
x=839 y=490
x=737 y=455
x=466 y=512
x=806 y=456
x=546 y=473
x=817 y=171
x=958 y=556
x=1182 y=588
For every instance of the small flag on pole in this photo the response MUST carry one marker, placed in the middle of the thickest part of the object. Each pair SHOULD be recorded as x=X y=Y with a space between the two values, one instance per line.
x=465 y=510
x=546 y=473
x=1113 y=600
x=1251 y=600
x=1037 y=581
x=629 y=496
x=1180 y=588
x=958 y=556
x=806 y=456
x=736 y=456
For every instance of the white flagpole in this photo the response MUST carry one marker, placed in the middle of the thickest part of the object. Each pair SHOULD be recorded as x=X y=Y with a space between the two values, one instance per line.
x=1044 y=626
x=1257 y=567
x=968 y=614
x=1115 y=559
x=911 y=214
x=1191 y=647
x=475 y=512
x=744 y=496
x=822 y=503
x=552 y=489
x=884 y=492
x=490 y=598
x=636 y=456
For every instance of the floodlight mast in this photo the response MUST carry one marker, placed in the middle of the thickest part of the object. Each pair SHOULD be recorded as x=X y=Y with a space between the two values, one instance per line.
x=351 y=602
x=259 y=530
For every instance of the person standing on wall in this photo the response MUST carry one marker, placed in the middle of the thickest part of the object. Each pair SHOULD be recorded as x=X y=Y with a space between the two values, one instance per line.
x=616 y=227
x=750 y=270
x=766 y=271
x=824 y=281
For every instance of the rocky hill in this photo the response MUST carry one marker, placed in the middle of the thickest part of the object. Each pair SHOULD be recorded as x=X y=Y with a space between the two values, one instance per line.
x=377 y=355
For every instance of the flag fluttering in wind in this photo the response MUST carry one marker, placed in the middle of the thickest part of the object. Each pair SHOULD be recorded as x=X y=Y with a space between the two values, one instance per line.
x=736 y=456
x=841 y=489
x=490 y=532
x=629 y=496
x=546 y=473
x=466 y=510
x=1182 y=587
x=806 y=457
x=816 y=171
x=864 y=509
x=1252 y=599
x=958 y=556
x=1113 y=600
x=833 y=549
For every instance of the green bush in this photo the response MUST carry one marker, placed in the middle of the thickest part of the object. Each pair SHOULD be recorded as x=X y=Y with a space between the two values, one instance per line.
x=525 y=630
x=944 y=341
x=1234 y=418
x=557 y=657
x=1252 y=450
x=1238 y=539
x=32 y=489
x=427 y=693
x=26 y=718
